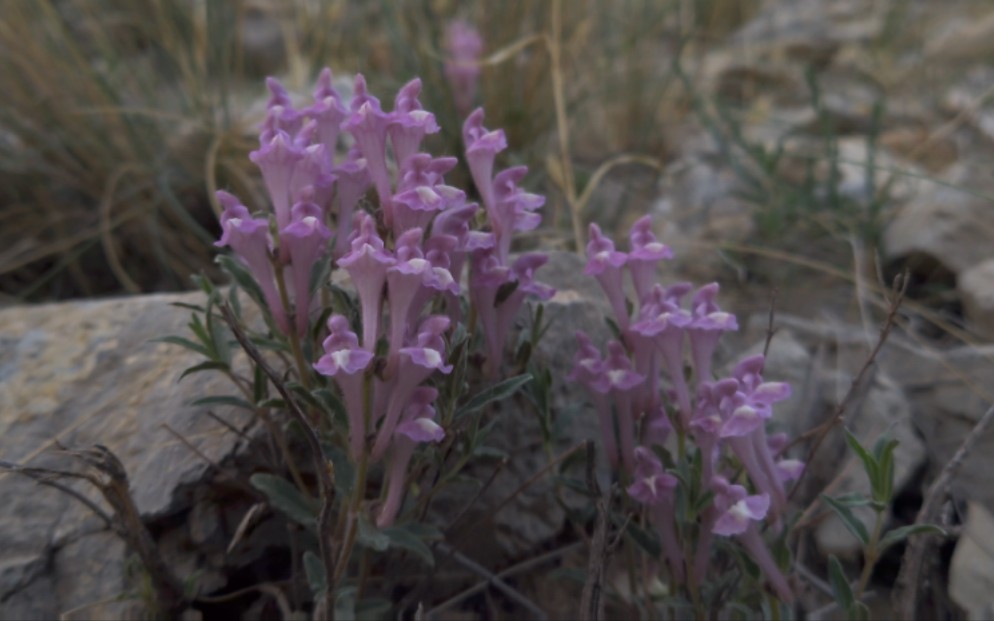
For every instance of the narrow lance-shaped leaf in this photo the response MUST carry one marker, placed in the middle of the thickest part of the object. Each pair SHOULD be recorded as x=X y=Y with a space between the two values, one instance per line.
x=286 y=498
x=497 y=392
x=898 y=535
x=850 y=521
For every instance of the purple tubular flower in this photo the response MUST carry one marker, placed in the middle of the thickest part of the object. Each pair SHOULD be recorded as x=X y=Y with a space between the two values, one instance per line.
x=487 y=275
x=277 y=159
x=405 y=278
x=619 y=381
x=739 y=516
x=587 y=370
x=455 y=222
x=367 y=265
x=306 y=239
x=329 y=113
x=662 y=320
x=482 y=147
x=280 y=107
x=352 y=181
x=655 y=488
x=415 y=208
x=605 y=263
x=417 y=426
x=410 y=122
x=368 y=125
x=464 y=46
x=249 y=238
x=345 y=361
x=708 y=325
x=523 y=274
x=416 y=364
x=514 y=208
x=646 y=251
x=423 y=169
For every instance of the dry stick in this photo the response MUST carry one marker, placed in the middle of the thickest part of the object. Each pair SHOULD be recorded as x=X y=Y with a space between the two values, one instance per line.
x=507 y=573
x=905 y=596
x=325 y=609
x=838 y=416
x=46 y=476
x=770 y=329
x=591 y=603
x=496 y=581
x=116 y=491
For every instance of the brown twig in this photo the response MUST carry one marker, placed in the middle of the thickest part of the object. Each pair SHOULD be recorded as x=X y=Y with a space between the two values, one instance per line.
x=591 y=603
x=770 y=329
x=326 y=519
x=838 y=415
x=906 y=588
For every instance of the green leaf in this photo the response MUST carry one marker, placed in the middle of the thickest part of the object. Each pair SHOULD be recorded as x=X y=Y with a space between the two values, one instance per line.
x=402 y=538
x=504 y=292
x=272 y=402
x=223 y=400
x=373 y=609
x=499 y=391
x=317 y=577
x=884 y=452
x=182 y=342
x=646 y=540
x=851 y=522
x=242 y=276
x=200 y=331
x=870 y=465
x=370 y=537
x=853 y=499
x=331 y=404
x=319 y=274
x=489 y=452
x=210 y=365
x=423 y=531
x=264 y=343
x=345 y=604
x=344 y=469
x=194 y=307
x=900 y=534
x=840 y=585
x=286 y=498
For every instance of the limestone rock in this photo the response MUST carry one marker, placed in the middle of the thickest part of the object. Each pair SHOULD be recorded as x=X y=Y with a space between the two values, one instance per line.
x=945 y=224
x=971 y=582
x=976 y=289
x=84 y=373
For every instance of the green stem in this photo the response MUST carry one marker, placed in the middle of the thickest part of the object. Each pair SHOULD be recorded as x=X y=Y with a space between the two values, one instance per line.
x=298 y=352
x=870 y=555
x=359 y=493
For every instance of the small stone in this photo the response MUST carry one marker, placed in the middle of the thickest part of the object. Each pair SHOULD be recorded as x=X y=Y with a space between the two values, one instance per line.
x=976 y=289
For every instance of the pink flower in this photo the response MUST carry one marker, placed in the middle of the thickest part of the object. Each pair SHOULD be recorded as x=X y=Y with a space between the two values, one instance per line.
x=345 y=361
x=417 y=426
x=482 y=147
x=604 y=263
x=368 y=125
x=409 y=122
x=306 y=240
x=250 y=240
x=367 y=265
x=464 y=46
x=416 y=364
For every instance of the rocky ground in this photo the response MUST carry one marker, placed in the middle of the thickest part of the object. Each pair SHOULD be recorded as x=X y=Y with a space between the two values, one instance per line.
x=824 y=198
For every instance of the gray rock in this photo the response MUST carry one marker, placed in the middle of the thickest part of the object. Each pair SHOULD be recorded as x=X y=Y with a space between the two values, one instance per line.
x=971 y=579
x=85 y=373
x=976 y=290
x=944 y=224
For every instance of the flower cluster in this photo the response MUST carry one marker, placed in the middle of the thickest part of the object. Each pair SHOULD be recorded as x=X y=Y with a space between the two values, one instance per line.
x=464 y=46
x=724 y=418
x=405 y=256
